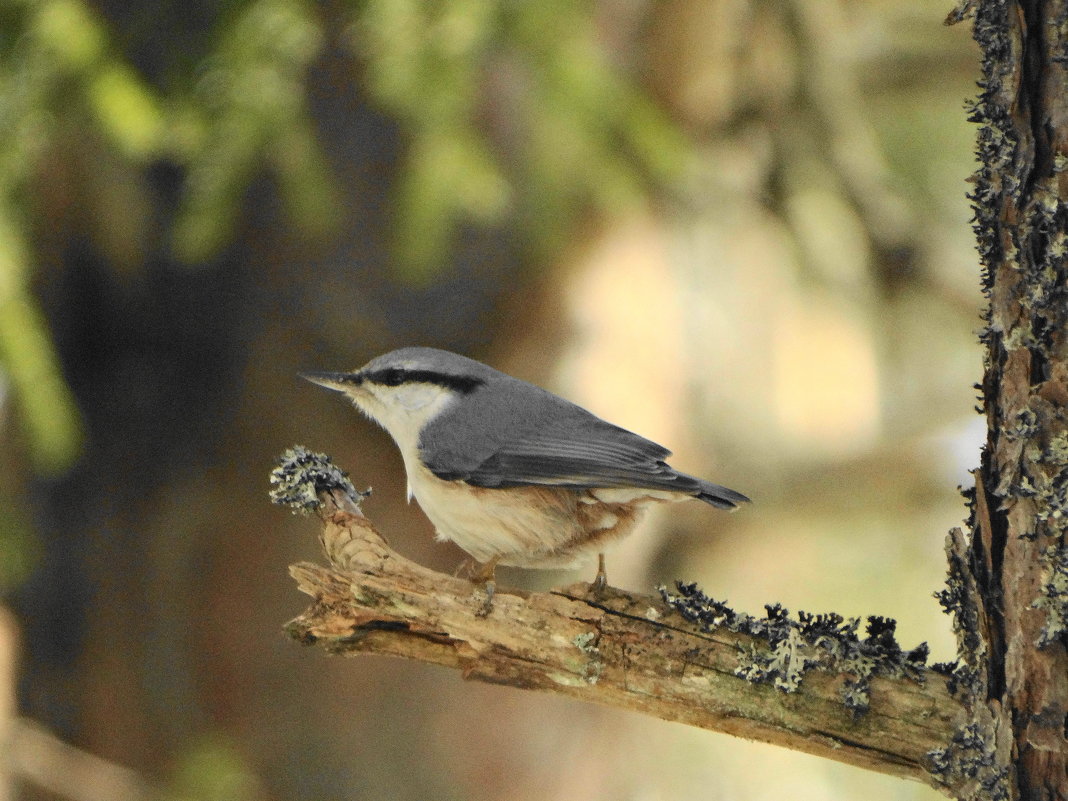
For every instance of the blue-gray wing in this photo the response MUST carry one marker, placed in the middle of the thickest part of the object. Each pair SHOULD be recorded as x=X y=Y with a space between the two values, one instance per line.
x=520 y=435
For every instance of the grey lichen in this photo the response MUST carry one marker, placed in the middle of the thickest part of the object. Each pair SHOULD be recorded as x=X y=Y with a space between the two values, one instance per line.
x=795 y=646
x=587 y=643
x=957 y=600
x=1057 y=450
x=997 y=141
x=1024 y=426
x=301 y=475
x=1053 y=508
x=1053 y=599
x=969 y=764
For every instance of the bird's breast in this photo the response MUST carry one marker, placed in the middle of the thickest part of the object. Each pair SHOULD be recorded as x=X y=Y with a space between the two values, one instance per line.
x=523 y=526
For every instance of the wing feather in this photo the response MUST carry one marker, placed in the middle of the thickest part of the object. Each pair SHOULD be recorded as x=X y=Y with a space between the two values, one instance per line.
x=511 y=434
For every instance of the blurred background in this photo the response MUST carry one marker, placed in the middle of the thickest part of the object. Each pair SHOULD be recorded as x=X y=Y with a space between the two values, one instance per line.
x=737 y=227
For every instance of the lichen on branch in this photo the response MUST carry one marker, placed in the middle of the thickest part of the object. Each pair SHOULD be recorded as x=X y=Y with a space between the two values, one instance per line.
x=679 y=656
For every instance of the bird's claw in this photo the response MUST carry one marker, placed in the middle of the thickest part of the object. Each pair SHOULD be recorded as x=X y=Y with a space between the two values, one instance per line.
x=485 y=578
x=488 y=587
x=600 y=581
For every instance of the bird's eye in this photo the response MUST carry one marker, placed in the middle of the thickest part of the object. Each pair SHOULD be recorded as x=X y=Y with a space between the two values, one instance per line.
x=392 y=377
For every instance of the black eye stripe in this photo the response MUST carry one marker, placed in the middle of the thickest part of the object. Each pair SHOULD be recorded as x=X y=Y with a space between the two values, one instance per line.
x=395 y=376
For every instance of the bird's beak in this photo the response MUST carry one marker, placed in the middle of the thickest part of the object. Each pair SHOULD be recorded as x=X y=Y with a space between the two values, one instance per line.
x=337 y=381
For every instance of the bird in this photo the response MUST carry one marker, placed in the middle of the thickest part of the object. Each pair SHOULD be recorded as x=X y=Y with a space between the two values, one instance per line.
x=512 y=473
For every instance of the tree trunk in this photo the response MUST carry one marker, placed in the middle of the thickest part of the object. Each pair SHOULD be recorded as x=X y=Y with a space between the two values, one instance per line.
x=1015 y=633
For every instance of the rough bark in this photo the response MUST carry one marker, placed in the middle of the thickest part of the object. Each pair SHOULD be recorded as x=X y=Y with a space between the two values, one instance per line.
x=1012 y=571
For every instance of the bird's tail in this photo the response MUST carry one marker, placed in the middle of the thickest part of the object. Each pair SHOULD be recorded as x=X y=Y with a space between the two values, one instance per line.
x=720 y=497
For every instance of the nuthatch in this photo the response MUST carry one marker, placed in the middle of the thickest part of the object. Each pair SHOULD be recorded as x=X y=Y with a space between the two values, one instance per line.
x=511 y=473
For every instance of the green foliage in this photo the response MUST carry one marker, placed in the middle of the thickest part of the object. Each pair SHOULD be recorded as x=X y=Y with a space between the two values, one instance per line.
x=511 y=109
x=212 y=769
x=53 y=51
x=48 y=412
x=59 y=53
x=248 y=109
x=19 y=549
x=513 y=112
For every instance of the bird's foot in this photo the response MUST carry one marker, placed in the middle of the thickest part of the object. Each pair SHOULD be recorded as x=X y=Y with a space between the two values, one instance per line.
x=484 y=579
x=487 y=588
x=600 y=581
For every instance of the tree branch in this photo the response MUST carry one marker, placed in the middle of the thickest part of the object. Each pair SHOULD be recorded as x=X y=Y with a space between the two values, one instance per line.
x=629 y=651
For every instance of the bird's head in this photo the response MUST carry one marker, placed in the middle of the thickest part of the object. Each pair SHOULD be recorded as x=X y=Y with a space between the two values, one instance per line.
x=405 y=389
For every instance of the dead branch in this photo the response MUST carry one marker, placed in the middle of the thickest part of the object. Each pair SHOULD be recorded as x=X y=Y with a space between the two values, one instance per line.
x=618 y=649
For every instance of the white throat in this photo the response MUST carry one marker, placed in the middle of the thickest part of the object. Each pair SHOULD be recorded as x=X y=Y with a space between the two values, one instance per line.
x=404 y=411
